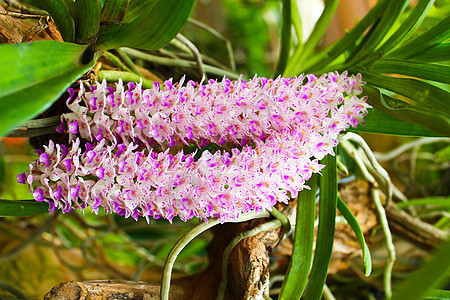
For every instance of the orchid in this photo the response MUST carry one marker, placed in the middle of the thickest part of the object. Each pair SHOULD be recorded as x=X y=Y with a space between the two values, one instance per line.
x=273 y=132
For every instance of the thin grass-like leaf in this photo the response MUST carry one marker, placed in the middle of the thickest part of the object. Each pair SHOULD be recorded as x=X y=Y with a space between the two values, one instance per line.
x=429 y=39
x=326 y=56
x=435 y=201
x=325 y=233
x=351 y=220
x=300 y=265
x=438 y=53
x=407 y=27
x=372 y=40
x=429 y=71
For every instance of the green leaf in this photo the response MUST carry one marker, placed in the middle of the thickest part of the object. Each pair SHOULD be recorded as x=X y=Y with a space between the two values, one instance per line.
x=438 y=53
x=325 y=232
x=114 y=10
x=443 y=155
x=434 y=72
x=431 y=274
x=424 y=95
x=377 y=121
x=88 y=21
x=429 y=39
x=300 y=265
x=408 y=26
x=301 y=53
x=286 y=29
x=351 y=220
x=135 y=8
x=403 y=111
x=60 y=13
x=435 y=201
x=378 y=33
x=435 y=294
x=326 y=56
x=16 y=208
x=38 y=73
x=154 y=28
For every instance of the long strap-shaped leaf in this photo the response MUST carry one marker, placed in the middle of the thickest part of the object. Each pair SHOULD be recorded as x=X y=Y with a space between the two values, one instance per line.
x=297 y=276
x=378 y=33
x=435 y=121
x=154 y=28
x=114 y=10
x=430 y=38
x=37 y=74
x=424 y=95
x=325 y=233
x=15 y=208
x=351 y=220
x=286 y=29
x=429 y=71
x=88 y=20
x=60 y=13
x=408 y=26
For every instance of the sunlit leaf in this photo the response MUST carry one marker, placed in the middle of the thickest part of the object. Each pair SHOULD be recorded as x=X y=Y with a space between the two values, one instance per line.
x=38 y=73
x=435 y=72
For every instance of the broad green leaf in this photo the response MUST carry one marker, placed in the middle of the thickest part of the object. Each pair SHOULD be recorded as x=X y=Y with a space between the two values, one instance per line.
x=15 y=208
x=153 y=29
x=377 y=121
x=432 y=274
x=60 y=13
x=297 y=275
x=326 y=56
x=135 y=8
x=114 y=10
x=408 y=26
x=438 y=53
x=403 y=111
x=351 y=220
x=431 y=38
x=379 y=31
x=443 y=155
x=286 y=29
x=88 y=20
x=38 y=73
x=434 y=72
x=325 y=232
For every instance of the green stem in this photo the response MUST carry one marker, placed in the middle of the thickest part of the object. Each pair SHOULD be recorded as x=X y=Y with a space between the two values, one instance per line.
x=116 y=61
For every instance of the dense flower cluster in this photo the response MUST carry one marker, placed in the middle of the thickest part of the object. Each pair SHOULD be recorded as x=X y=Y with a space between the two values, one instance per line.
x=280 y=129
